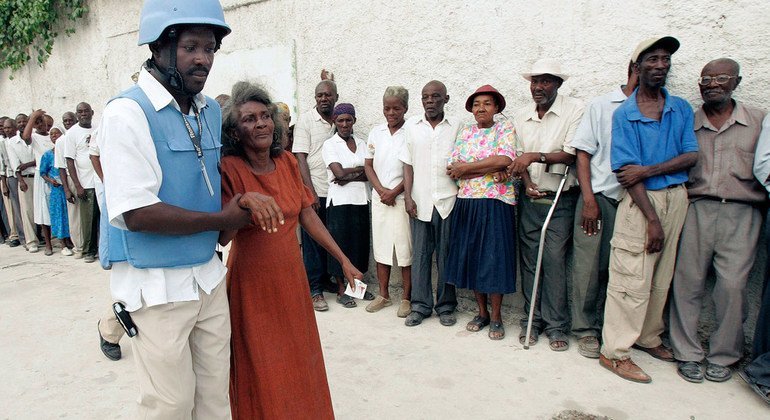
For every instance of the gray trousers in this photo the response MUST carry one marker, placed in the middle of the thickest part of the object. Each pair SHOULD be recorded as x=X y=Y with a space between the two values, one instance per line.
x=427 y=238
x=590 y=272
x=551 y=310
x=724 y=235
x=13 y=187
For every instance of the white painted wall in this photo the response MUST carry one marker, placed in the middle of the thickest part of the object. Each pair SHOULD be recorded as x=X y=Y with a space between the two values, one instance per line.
x=372 y=44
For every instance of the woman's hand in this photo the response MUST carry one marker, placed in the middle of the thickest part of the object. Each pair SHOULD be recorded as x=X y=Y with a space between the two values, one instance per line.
x=388 y=196
x=456 y=170
x=351 y=274
x=501 y=176
x=264 y=210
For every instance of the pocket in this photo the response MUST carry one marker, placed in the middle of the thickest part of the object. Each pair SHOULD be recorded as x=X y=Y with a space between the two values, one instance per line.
x=741 y=165
x=627 y=266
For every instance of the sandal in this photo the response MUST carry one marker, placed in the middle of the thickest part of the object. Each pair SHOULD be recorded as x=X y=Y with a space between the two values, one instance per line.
x=346 y=301
x=368 y=295
x=557 y=341
x=533 y=337
x=496 y=330
x=477 y=324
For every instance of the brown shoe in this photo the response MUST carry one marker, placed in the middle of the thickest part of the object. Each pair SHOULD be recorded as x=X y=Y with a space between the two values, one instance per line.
x=626 y=369
x=319 y=303
x=661 y=352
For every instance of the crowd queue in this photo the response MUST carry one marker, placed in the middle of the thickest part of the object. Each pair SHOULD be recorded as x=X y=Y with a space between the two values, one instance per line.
x=657 y=197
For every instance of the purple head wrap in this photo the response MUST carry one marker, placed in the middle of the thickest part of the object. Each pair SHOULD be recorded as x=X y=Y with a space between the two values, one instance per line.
x=344 y=109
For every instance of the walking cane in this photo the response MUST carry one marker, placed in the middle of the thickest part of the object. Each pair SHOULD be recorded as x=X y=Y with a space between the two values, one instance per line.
x=555 y=168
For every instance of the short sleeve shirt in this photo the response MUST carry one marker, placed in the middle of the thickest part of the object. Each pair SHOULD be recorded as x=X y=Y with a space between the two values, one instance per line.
x=310 y=133
x=638 y=140
x=383 y=148
x=474 y=144
x=20 y=152
x=335 y=150
x=76 y=145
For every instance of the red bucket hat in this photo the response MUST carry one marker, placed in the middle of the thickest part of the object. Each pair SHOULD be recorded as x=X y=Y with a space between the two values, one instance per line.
x=486 y=90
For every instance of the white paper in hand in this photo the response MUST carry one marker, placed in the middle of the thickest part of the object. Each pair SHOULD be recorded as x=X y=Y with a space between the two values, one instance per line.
x=358 y=293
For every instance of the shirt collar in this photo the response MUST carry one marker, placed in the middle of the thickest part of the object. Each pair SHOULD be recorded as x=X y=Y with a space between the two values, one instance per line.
x=738 y=116
x=447 y=119
x=634 y=114
x=159 y=96
x=556 y=108
x=16 y=139
x=617 y=95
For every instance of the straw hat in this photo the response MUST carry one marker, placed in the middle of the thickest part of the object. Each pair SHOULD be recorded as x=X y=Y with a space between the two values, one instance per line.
x=546 y=66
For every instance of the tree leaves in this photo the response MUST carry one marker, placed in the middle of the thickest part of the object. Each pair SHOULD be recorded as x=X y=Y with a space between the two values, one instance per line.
x=29 y=27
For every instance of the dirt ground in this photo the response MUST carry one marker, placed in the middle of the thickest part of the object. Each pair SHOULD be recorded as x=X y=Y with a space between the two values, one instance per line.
x=377 y=368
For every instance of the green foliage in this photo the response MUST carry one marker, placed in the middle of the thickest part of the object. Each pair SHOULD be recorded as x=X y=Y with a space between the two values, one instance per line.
x=29 y=27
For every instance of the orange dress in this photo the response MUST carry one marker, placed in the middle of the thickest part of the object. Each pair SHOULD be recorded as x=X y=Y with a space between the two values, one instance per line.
x=277 y=367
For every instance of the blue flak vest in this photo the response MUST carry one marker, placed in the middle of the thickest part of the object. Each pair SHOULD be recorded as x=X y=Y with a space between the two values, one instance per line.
x=182 y=186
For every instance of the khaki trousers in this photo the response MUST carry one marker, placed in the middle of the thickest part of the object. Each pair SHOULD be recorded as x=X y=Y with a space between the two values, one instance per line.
x=27 y=206
x=110 y=328
x=73 y=216
x=182 y=353
x=13 y=233
x=725 y=236
x=639 y=282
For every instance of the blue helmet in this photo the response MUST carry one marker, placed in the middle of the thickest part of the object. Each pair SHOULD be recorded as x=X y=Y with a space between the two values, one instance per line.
x=158 y=15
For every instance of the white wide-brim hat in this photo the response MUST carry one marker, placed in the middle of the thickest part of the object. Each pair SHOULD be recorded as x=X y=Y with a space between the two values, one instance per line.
x=546 y=66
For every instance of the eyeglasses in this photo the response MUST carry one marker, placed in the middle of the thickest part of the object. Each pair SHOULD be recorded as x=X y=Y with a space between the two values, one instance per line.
x=720 y=79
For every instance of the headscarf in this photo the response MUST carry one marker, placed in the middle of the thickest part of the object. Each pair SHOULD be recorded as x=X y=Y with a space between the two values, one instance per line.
x=344 y=108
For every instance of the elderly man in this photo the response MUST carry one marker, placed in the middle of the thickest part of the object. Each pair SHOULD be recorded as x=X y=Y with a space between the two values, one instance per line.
x=81 y=175
x=653 y=145
x=595 y=215
x=10 y=236
x=544 y=133
x=159 y=146
x=724 y=203
x=429 y=197
x=68 y=120
x=22 y=162
x=311 y=131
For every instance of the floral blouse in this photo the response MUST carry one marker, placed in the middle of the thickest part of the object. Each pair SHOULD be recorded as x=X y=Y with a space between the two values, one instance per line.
x=473 y=144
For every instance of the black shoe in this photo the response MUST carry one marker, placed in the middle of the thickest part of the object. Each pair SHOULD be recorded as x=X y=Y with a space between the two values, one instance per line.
x=414 y=319
x=447 y=319
x=111 y=351
x=718 y=373
x=14 y=243
x=690 y=371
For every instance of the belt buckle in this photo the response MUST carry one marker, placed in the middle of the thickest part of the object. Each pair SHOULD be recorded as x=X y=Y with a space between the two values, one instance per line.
x=724 y=200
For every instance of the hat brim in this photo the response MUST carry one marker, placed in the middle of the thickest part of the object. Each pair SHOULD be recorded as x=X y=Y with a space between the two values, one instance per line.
x=668 y=43
x=529 y=76
x=499 y=100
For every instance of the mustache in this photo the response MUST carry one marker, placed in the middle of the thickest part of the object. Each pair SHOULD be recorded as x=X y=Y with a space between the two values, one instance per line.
x=198 y=69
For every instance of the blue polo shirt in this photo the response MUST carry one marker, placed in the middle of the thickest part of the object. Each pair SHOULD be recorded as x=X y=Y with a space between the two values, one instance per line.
x=638 y=140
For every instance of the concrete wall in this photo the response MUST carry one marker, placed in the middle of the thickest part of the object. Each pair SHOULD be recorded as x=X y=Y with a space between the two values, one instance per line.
x=372 y=44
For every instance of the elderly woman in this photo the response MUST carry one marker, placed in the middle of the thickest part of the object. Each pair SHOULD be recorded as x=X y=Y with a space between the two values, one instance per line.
x=347 y=209
x=390 y=222
x=277 y=366
x=481 y=248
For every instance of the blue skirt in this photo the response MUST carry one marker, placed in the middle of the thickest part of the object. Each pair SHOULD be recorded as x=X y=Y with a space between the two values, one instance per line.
x=482 y=246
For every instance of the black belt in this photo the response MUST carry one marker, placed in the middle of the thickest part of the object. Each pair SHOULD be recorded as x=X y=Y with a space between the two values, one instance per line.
x=725 y=200
x=28 y=176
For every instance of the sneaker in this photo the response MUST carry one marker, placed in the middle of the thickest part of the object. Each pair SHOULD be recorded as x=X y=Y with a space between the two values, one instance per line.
x=66 y=252
x=319 y=303
x=718 y=373
x=378 y=303
x=89 y=258
x=404 y=308
x=626 y=369
x=32 y=249
x=589 y=347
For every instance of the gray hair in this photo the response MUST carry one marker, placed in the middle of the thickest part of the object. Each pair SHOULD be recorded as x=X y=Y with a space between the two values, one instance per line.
x=244 y=92
x=398 y=92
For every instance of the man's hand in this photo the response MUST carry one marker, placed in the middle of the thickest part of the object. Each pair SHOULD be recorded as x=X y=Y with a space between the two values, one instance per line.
x=81 y=192
x=22 y=185
x=316 y=202
x=532 y=191
x=68 y=195
x=264 y=210
x=410 y=206
x=631 y=175
x=655 y=236
x=592 y=217
x=388 y=196
x=520 y=164
x=456 y=170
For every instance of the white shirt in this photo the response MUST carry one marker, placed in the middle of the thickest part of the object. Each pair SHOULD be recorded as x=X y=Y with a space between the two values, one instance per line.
x=58 y=154
x=594 y=136
x=762 y=155
x=335 y=150
x=552 y=133
x=310 y=133
x=5 y=163
x=40 y=144
x=20 y=152
x=384 y=148
x=133 y=178
x=426 y=150
x=76 y=143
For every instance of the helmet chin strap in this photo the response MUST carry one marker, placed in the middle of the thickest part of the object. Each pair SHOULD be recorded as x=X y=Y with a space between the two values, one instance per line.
x=171 y=74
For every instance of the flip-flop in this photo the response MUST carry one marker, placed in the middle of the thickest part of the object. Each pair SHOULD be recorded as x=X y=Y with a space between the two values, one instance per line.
x=557 y=337
x=762 y=391
x=346 y=301
x=533 y=337
x=496 y=327
x=477 y=324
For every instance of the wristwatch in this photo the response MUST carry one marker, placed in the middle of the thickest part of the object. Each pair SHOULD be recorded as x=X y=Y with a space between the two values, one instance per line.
x=542 y=157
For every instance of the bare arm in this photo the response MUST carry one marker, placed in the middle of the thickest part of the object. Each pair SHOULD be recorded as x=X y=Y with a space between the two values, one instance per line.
x=26 y=131
x=73 y=173
x=67 y=192
x=591 y=212
x=409 y=204
x=312 y=224
x=97 y=163
x=630 y=175
x=521 y=163
x=468 y=170
x=304 y=171
x=171 y=220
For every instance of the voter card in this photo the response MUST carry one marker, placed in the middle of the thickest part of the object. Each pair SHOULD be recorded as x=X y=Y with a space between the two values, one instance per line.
x=359 y=291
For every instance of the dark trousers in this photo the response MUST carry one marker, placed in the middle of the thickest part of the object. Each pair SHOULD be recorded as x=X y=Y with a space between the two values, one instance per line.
x=429 y=238
x=13 y=188
x=4 y=226
x=551 y=308
x=89 y=219
x=759 y=368
x=314 y=256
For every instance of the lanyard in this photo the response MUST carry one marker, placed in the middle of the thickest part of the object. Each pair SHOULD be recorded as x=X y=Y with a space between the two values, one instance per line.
x=196 y=141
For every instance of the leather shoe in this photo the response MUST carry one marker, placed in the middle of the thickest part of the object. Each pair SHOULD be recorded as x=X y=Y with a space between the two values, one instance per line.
x=589 y=346
x=626 y=369
x=414 y=319
x=690 y=372
x=110 y=350
x=661 y=352
x=718 y=373
x=14 y=243
x=447 y=319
